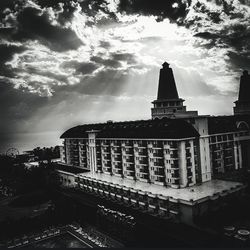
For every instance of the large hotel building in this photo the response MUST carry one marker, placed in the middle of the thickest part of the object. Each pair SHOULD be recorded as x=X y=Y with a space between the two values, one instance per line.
x=171 y=165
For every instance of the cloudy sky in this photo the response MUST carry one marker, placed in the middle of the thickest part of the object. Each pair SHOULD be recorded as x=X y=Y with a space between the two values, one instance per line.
x=65 y=63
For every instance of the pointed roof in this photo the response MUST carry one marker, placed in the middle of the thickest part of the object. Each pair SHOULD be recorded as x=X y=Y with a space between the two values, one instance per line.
x=244 y=93
x=167 y=87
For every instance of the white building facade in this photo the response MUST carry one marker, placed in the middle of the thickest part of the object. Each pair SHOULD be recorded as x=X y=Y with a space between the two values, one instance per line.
x=168 y=165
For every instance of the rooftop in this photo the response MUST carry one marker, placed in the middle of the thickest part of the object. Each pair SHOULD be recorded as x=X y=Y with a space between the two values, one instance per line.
x=224 y=124
x=192 y=194
x=146 y=129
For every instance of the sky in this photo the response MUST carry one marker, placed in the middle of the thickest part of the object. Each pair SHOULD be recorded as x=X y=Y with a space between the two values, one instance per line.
x=66 y=63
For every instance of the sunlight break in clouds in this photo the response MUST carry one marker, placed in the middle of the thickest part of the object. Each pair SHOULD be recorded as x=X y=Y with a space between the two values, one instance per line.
x=88 y=61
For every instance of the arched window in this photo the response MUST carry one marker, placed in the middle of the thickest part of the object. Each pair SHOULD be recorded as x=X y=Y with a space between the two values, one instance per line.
x=242 y=125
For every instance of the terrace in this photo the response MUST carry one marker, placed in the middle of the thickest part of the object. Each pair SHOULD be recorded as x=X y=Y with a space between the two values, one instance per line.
x=190 y=195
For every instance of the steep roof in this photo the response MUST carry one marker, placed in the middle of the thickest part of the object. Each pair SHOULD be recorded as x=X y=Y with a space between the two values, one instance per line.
x=145 y=129
x=244 y=92
x=167 y=87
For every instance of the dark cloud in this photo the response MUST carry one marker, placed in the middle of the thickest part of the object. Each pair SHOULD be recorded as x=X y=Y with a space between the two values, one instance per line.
x=201 y=7
x=7 y=52
x=80 y=67
x=90 y=7
x=128 y=57
x=6 y=32
x=245 y=2
x=106 y=62
x=225 y=25
x=115 y=59
x=234 y=38
x=105 y=44
x=86 y=68
x=206 y=35
x=239 y=61
x=34 y=25
x=159 y=8
x=12 y=5
x=31 y=70
x=65 y=8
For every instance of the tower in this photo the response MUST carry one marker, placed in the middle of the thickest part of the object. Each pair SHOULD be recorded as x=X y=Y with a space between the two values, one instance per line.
x=168 y=103
x=242 y=105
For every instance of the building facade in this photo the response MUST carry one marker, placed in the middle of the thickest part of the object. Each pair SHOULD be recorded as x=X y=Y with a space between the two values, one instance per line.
x=169 y=164
x=137 y=152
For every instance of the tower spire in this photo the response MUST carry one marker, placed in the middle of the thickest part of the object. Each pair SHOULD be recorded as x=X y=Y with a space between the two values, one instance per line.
x=243 y=102
x=244 y=93
x=167 y=87
x=168 y=104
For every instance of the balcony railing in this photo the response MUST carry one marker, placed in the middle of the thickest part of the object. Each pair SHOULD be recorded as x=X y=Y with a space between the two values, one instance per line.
x=159 y=163
x=137 y=199
x=128 y=144
x=157 y=145
x=143 y=170
x=117 y=151
x=129 y=152
x=158 y=154
x=160 y=173
x=143 y=162
x=142 y=152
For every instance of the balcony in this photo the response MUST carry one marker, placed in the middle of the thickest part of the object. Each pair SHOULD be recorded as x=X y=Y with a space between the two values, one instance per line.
x=144 y=175
x=129 y=159
x=175 y=165
x=189 y=173
x=106 y=157
x=106 y=169
x=130 y=168
x=117 y=157
x=129 y=151
x=117 y=151
x=142 y=152
x=157 y=144
x=160 y=173
x=159 y=163
x=174 y=154
x=175 y=175
x=105 y=143
x=106 y=150
x=115 y=144
x=143 y=168
x=158 y=155
x=128 y=144
x=173 y=145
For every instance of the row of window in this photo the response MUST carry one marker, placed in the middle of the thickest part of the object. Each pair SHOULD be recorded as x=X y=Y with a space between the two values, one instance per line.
x=118 y=142
x=220 y=138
